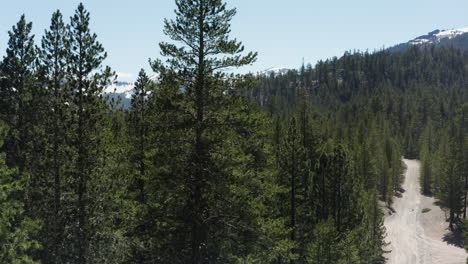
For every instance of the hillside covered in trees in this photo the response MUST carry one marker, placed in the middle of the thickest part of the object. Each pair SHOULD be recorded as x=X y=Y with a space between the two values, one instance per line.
x=206 y=166
x=420 y=96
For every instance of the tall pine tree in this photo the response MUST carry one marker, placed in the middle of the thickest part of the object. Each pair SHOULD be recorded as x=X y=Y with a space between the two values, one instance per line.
x=54 y=55
x=18 y=70
x=221 y=168
x=87 y=81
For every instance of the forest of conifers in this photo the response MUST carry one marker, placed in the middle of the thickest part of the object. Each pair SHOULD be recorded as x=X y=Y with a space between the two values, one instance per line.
x=206 y=166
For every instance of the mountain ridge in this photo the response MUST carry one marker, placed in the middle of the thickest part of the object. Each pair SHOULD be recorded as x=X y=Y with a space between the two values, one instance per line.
x=457 y=38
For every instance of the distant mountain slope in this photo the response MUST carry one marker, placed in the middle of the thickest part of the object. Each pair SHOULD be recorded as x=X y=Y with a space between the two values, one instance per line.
x=274 y=71
x=457 y=38
x=124 y=90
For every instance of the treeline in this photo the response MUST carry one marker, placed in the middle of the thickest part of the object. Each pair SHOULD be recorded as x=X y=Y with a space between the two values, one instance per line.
x=192 y=172
x=408 y=88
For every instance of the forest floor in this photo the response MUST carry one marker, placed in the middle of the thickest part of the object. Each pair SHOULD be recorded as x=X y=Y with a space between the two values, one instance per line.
x=417 y=230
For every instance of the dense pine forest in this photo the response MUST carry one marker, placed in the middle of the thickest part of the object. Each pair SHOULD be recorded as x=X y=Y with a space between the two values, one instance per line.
x=415 y=102
x=208 y=166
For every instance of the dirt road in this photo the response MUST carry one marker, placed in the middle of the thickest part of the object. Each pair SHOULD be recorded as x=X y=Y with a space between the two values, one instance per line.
x=417 y=237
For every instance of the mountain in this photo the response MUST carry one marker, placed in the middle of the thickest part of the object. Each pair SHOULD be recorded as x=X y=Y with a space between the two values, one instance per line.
x=275 y=71
x=457 y=38
x=124 y=90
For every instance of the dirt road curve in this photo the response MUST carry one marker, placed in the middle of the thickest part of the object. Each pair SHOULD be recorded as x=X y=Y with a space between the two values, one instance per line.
x=417 y=237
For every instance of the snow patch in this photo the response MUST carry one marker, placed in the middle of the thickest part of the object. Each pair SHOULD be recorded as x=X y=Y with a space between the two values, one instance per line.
x=123 y=88
x=275 y=71
x=451 y=33
x=419 y=41
x=437 y=36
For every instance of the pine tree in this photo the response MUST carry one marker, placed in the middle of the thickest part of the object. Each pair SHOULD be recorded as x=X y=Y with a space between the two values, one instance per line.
x=221 y=167
x=291 y=167
x=452 y=183
x=371 y=231
x=24 y=113
x=141 y=145
x=87 y=82
x=54 y=55
x=18 y=69
x=139 y=124
x=295 y=176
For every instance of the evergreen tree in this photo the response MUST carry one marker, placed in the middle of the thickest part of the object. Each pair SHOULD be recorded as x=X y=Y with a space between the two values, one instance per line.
x=452 y=183
x=139 y=124
x=54 y=55
x=221 y=167
x=294 y=170
x=24 y=113
x=371 y=232
x=87 y=81
x=141 y=144
x=18 y=69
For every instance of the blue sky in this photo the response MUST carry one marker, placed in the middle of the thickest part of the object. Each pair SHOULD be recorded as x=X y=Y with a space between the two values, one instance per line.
x=283 y=32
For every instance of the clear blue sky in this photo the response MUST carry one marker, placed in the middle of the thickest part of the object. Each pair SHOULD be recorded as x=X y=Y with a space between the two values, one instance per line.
x=283 y=32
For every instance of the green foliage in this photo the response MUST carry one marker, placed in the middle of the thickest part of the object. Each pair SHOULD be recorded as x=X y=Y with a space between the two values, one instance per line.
x=18 y=70
x=15 y=229
x=18 y=97
x=384 y=106
x=194 y=172
x=211 y=161
x=325 y=249
x=446 y=170
x=87 y=80
x=55 y=163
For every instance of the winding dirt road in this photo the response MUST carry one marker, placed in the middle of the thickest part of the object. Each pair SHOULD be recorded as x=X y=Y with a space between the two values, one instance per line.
x=417 y=237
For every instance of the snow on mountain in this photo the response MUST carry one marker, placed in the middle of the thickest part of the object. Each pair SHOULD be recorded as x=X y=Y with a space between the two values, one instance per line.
x=419 y=41
x=451 y=33
x=457 y=38
x=124 y=89
x=275 y=71
x=437 y=36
